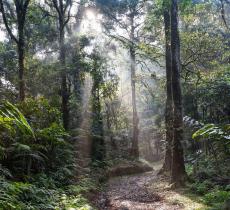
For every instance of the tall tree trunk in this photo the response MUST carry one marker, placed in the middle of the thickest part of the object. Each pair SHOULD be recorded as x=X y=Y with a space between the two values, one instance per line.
x=21 y=8
x=134 y=149
x=21 y=58
x=64 y=88
x=178 y=173
x=98 y=143
x=62 y=8
x=76 y=114
x=169 y=101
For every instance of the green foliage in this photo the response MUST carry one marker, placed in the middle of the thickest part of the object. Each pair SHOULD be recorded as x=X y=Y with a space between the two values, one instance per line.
x=211 y=131
x=201 y=188
x=84 y=185
x=20 y=196
x=10 y=116
x=36 y=26
x=42 y=157
x=39 y=112
x=29 y=196
x=212 y=195
x=216 y=198
x=59 y=153
x=53 y=135
x=218 y=139
x=189 y=169
x=37 y=151
x=26 y=151
x=75 y=202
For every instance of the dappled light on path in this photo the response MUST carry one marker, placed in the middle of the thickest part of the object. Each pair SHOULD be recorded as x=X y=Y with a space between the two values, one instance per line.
x=138 y=192
x=132 y=193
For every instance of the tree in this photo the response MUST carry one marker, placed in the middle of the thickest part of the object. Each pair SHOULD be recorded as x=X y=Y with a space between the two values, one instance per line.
x=21 y=8
x=134 y=149
x=76 y=59
x=125 y=15
x=169 y=99
x=63 y=8
x=178 y=173
x=98 y=143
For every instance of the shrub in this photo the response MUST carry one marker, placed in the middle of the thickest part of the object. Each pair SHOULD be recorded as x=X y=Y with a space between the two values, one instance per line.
x=40 y=146
x=35 y=149
x=23 y=196
x=218 y=137
x=29 y=196
x=216 y=198
x=39 y=112
x=201 y=187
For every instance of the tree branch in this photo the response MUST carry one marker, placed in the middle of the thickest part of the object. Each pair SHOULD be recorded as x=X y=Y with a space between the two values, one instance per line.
x=6 y=22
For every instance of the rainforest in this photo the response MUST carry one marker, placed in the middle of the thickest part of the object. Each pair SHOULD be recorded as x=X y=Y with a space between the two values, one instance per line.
x=114 y=105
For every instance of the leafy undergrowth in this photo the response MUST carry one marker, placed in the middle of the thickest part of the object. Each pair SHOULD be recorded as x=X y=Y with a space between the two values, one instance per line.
x=210 y=170
x=213 y=195
x=42 y=194
x=37 y=160
x=212 y=187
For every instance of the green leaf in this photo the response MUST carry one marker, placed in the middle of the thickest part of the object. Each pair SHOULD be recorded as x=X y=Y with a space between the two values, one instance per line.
x=203 y=131
x=10 y=114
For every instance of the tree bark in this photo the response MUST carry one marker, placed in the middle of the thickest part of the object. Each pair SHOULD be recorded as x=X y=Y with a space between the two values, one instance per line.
x=178 y=173
x=134 y=149
x=63 y=20
x=98 y=143
x=77 y=72
x=169 y=100
x=21 y=10
x=64 y=88
x=21 y=65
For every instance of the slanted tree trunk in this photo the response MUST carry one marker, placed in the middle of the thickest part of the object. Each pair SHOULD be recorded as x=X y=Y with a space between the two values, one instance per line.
x=169 y=101
x=178 y=173
x=134 y=149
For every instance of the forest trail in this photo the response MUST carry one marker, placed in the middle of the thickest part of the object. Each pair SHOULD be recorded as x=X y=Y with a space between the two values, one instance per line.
x=146 y=191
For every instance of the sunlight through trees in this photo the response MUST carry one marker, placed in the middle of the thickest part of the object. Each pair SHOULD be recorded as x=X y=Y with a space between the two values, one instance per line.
x=114 y=104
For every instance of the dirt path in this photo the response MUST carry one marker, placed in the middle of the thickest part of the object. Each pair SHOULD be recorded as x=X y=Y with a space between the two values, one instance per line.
x=133 y=193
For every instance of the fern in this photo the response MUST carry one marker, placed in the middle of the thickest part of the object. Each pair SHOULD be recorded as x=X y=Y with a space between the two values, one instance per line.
x=211 y=131
x=10 y=115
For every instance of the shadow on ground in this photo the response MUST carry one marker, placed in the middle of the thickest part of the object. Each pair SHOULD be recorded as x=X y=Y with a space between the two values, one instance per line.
x=145 y=191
